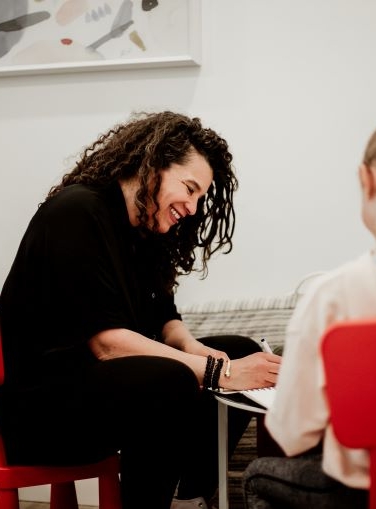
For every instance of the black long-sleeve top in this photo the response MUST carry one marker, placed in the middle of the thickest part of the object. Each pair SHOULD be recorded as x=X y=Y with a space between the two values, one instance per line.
x=81 y=268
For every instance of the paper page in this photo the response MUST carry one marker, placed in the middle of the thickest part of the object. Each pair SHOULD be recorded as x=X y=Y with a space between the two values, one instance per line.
x=263 y=396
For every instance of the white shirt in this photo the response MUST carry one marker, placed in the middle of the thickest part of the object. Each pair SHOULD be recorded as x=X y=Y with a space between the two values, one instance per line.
x=299 y=417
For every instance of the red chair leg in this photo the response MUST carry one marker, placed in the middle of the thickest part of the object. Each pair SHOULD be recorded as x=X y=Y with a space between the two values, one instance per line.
x=63 y=496
x=109 y=492
x=9 y=499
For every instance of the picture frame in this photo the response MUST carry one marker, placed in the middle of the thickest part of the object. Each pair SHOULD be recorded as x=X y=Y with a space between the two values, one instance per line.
x=59 y=36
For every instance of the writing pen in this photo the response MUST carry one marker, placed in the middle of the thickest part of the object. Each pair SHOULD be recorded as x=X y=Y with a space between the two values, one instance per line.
x=265 y=346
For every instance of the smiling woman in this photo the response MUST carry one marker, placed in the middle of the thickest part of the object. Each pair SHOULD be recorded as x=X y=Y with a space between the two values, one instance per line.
x=178 y=166
x=94 y=282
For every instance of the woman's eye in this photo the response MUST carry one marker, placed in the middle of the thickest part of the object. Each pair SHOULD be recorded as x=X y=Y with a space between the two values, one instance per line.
x=189 y=189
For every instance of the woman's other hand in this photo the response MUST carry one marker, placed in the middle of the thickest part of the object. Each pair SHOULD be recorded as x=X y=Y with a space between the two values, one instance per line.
x=256 y=370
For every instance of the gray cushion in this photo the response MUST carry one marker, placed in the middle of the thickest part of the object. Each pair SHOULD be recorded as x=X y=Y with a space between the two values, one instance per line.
x=263 y=317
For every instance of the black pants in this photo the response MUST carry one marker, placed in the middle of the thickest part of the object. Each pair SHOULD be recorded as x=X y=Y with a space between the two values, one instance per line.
x=297 y=483
x=151 y=409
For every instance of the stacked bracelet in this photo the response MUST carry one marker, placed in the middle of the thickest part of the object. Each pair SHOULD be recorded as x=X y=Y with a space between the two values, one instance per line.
x=212 y=373
x=216 y=374
x=208 y=372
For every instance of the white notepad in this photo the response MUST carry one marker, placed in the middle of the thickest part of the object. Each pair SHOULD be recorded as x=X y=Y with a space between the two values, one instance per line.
x=264 y=396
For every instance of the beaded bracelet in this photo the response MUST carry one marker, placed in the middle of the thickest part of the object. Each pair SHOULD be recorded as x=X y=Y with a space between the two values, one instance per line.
x=212 y=373
x=208 y=375
x=216 y=374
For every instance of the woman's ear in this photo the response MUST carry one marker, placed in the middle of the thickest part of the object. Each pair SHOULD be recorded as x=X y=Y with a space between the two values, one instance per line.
x=367 y=177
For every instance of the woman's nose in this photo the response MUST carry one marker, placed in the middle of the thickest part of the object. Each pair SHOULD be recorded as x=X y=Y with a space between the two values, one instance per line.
x=191 y=206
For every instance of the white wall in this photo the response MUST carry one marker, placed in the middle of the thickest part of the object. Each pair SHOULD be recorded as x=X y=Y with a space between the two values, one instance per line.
x=289 y=83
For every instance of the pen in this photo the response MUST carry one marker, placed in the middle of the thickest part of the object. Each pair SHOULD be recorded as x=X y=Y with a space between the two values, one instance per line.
x=265 y=346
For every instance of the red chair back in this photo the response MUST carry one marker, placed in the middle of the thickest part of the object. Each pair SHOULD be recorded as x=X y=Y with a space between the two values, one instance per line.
x=349 y=357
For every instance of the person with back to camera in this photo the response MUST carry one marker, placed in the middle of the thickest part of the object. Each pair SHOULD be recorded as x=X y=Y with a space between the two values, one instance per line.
x=97 y=358
x=299 y=420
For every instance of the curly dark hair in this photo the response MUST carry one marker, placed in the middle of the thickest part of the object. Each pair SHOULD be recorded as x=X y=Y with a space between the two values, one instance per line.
x=143 y=147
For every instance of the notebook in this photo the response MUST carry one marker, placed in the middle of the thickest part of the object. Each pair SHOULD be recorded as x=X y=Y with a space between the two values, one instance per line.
x=261 y=398
x=264 y=396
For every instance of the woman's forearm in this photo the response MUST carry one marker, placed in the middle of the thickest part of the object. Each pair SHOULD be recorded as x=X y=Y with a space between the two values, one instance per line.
x=115 y=343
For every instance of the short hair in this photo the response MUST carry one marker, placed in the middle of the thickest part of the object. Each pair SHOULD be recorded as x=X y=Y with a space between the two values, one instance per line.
x=370 y=151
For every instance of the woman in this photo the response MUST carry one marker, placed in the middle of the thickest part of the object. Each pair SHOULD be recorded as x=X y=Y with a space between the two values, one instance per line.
x=94 y=347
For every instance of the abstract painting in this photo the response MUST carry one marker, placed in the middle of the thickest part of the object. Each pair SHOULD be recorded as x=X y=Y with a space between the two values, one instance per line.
x=67 y=35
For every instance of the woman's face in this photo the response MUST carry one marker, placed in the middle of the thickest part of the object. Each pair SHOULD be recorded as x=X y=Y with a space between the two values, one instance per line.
x=181 y=188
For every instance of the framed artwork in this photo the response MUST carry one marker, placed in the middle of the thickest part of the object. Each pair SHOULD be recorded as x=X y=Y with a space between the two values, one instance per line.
x=50 y=36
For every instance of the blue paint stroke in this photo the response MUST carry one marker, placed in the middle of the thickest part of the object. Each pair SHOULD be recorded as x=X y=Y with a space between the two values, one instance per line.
x=24 y=21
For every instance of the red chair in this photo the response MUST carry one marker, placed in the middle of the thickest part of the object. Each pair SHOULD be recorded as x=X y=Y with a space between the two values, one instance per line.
x=349 y=356
x=61 y=479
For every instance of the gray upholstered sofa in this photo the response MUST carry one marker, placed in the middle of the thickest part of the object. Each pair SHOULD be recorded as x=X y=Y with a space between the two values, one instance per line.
x=263 y=317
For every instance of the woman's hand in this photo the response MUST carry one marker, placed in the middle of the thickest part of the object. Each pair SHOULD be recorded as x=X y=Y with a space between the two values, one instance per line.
x=256 y=370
